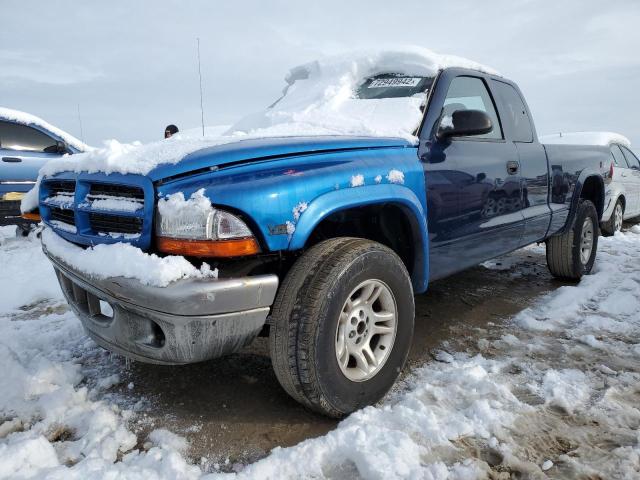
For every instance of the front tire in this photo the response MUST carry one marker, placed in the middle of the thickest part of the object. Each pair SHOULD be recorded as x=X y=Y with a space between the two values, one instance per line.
x=572 y=254
x=614 y=224
x=342 y=325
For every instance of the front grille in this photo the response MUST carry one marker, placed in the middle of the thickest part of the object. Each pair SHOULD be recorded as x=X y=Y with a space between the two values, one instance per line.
x=93 y=209
x=64 y=187
x=115 y=223
x=63 y=215
x=117 y=191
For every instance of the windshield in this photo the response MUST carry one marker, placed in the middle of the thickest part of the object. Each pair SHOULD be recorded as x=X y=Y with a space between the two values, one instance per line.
x=393 y=86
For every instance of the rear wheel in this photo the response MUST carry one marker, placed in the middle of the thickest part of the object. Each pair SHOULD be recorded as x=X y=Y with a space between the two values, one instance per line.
x=342 y=325
x=614 y=224
x=572 y=254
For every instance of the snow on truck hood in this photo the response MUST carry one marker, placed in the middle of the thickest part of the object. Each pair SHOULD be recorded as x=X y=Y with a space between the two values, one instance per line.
x=319 y=100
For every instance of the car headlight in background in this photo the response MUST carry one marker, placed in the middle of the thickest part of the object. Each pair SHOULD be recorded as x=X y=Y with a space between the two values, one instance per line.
x=213 y=233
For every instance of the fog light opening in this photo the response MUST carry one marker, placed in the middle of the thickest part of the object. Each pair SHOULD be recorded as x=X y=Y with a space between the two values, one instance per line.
x=157 y=336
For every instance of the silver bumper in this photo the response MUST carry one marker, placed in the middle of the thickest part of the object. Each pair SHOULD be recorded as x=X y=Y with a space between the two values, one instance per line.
x=188 y=321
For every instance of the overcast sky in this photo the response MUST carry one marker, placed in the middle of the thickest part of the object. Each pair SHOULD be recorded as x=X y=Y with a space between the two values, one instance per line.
x=132 y=66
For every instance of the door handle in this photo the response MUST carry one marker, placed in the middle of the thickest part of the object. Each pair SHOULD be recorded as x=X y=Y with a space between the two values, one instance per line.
x=11 y=159
x=512 y=167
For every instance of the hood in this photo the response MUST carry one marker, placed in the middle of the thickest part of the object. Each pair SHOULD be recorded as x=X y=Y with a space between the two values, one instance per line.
x=262 y=149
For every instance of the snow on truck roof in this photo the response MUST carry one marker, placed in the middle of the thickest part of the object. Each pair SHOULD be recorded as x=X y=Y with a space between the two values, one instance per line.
x=603 y=139
x=320 y=98
x=29 y=119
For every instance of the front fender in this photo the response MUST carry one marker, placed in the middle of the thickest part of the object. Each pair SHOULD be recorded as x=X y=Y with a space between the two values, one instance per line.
x=331 y=202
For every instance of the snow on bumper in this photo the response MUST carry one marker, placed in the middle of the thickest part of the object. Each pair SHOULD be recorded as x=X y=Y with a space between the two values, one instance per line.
x=190 y=320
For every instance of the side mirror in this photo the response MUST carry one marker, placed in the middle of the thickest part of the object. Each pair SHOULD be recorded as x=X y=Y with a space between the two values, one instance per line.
x=481 y=177
x=466 y=123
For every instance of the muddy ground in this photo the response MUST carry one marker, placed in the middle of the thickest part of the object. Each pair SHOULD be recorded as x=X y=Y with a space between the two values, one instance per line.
x=232 y=410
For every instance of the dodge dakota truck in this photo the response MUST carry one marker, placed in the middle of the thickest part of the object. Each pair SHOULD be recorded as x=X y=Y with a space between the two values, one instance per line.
x=321 y=240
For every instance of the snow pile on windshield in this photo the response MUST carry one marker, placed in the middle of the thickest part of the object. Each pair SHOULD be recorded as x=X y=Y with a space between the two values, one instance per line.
x=319 y=100
x=320 y=96
x=124 y=260
x=28 y=119
x=603 y=139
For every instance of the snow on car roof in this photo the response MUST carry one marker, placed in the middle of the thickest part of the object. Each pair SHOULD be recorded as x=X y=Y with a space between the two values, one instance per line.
x=28 y=119
x=318 y=100
x=603 y=139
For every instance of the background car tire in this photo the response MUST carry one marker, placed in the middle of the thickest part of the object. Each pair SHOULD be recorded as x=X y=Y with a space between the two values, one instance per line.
x=306 y=316
x=614 y=224
x=565 y=253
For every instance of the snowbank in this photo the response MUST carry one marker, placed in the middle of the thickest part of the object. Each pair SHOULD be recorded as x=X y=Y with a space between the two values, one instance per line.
x=28 y=119
x=603 y=139
x=564 y=369
x=22 y=262
x=124 y=260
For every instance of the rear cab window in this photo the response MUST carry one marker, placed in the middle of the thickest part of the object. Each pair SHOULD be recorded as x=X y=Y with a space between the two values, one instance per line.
x=513 y=112
x=14 y=136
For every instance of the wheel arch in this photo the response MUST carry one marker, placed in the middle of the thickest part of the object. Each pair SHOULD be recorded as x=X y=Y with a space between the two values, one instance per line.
x=363 y=201
x=591 y=188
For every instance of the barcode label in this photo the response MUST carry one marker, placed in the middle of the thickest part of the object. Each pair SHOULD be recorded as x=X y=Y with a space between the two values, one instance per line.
x=394 y=82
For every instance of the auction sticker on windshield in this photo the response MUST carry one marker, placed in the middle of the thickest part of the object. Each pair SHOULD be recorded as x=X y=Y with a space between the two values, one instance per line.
x=394 y=82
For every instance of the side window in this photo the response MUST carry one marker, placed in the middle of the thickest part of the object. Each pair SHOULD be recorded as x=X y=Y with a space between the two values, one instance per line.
x=516 y=112
x=632 y=160
x=618 y=157
x=470 y=93
x=14 y=136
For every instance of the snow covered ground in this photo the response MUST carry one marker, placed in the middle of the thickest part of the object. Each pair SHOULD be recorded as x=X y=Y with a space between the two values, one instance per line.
x=554 y=392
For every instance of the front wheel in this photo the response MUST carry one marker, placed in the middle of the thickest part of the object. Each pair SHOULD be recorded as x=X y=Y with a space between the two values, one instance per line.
x=342 y=325
x=572 y=254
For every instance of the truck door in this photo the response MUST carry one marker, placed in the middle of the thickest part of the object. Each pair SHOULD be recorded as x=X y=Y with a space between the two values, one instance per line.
x=483 y=170
x=533 y=161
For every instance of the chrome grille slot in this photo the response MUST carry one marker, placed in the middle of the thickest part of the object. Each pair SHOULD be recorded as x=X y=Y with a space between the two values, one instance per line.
x=103 y=223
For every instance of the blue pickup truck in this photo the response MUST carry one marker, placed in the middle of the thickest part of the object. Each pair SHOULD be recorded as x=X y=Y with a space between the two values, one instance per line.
x=321 y=241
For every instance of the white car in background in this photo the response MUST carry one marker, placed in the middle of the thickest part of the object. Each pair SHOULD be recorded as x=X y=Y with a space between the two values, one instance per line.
x=623 y=189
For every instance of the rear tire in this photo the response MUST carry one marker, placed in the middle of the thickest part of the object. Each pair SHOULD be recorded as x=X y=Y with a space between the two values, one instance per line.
x=614 y=224
x=572 y=254
x=342 y=325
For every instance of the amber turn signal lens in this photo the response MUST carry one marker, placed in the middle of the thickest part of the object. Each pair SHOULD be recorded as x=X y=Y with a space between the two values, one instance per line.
x=34 y=217
x=209 y=248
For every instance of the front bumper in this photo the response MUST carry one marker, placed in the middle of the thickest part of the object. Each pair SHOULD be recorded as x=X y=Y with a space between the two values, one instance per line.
x=188 y=321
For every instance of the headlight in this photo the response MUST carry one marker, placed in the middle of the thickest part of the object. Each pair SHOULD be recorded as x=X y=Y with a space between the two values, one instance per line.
x=203 y=232
x=199 y=225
